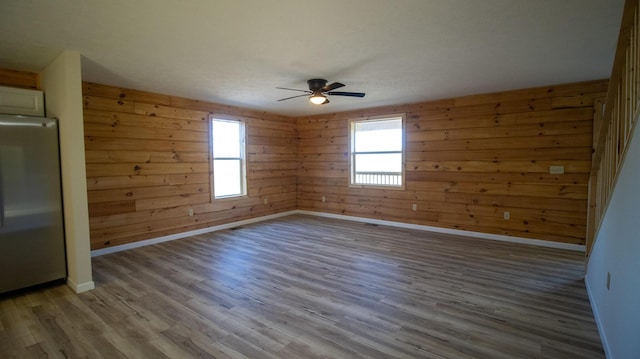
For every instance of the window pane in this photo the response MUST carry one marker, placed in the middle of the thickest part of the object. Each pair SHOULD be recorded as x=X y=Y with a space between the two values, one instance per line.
x=377 y=136
x=227 y=180
x=387 y=162
x=226 y=138
x=378 y=169
x=377 y=152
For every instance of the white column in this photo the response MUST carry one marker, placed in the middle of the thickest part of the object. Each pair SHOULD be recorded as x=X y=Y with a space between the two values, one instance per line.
x=61 y=81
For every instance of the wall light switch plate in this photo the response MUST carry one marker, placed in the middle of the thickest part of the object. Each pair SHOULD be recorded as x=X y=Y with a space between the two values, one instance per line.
x=556 y=170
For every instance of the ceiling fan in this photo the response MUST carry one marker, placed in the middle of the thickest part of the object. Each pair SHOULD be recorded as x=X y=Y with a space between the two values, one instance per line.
x=318 y=91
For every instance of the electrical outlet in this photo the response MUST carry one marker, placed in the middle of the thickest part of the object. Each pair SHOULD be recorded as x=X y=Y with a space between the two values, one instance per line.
x=324 y=199
x=608 y=280
x=414 y=207
x=190 y=212
x=507 y=215
x=266 y=201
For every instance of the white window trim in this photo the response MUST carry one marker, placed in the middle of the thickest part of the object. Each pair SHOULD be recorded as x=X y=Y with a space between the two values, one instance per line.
x=243 y=159
x=351 y=137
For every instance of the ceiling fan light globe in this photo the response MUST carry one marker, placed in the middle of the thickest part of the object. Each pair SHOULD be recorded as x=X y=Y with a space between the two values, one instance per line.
x=317 y=99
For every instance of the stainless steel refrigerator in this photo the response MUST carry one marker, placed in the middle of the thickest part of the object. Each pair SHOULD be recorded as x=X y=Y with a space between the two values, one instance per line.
x=32 y=249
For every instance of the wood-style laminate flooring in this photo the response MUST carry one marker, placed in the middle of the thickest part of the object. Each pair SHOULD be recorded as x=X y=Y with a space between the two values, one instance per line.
x=309 y=287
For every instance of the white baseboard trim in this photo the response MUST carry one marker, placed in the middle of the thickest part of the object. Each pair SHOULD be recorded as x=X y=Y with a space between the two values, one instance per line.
x=596 y=317
x=495 y=237
x=459 y=232
x=148 y=242
x=82 y=287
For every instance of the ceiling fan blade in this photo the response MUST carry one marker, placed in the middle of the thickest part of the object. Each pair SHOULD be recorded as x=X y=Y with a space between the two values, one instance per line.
x=350 y=94
x=333 y=86
x=325 y=102
x=288 y=98
x=286 y=88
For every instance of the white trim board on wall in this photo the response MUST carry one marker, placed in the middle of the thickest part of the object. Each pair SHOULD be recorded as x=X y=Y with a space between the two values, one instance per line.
x=596 y=317
x=495 y=237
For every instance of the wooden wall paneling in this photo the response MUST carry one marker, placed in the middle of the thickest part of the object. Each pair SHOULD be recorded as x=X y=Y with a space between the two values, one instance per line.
x=113 y=182
x=169 y=112
x=469 y=160
x=557 y=141
x=418 y=120
x=504 y=131
x=108 y=131
x=122 y=219
x=22 y=79
x=148 y=165
x=546 y=154
x=260 y=174
x=105 y=91
x=129 y=119
x=498 y=177
x=213 y=219
x=110 y=195
x=498 y=166
x=171 y=201
x=108 y=104
x=93 y=156
x=109 y=208
x=138 y=168
x=530 y=201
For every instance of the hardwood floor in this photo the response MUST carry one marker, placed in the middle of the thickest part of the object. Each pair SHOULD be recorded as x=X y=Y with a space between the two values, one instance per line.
x=308 y=287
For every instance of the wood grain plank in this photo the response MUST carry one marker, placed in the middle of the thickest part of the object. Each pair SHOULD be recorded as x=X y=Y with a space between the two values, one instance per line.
x=123 y=144
x=130 y=132
x=132 y=194
x=114 y=182
x=144 y=168
x=129 y=119
x=23 y=79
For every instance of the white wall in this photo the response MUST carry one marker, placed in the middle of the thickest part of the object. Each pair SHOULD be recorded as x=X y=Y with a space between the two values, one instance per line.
x=62 y=84
x=617 y=251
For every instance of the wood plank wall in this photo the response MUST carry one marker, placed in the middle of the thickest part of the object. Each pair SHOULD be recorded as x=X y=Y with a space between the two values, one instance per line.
x=468 y=160
x=148 y=163
x=27 y=80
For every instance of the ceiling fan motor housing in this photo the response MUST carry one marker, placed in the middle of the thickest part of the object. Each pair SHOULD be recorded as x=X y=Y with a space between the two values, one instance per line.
x=319 y=90
x=316 y=84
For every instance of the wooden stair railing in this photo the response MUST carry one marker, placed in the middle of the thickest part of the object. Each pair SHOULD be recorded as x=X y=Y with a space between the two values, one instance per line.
x=615 y=119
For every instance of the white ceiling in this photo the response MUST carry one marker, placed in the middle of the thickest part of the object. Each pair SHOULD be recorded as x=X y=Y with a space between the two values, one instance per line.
x=236 y=52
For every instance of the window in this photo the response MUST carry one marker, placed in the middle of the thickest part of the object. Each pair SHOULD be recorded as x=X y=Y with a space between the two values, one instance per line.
x=377 y=147
x=228 y=153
